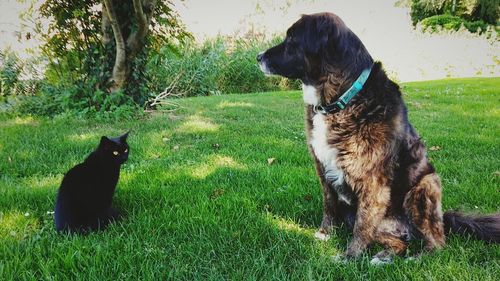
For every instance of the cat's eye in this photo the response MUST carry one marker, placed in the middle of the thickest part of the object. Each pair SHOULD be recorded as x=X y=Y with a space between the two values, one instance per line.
x=126 y=150
x=115 y=153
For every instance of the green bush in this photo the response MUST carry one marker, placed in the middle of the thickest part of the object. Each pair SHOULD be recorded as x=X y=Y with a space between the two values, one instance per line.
x=450 y=22
x=486 y=10
x=476 y=26
x=191 y=73
x=10 y=69
x=78 y=100
x=421 y=9
x=241 y=73
x=17 y=77
x=473 y=14
x=218 y=66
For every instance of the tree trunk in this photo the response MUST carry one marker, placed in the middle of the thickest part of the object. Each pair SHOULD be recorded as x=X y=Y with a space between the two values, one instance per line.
x=126 y=48
x=107 y=33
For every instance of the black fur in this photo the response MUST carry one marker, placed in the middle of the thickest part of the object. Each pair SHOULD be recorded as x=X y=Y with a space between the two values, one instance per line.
x=484 y=227
x=313 y=45
x=85 y=196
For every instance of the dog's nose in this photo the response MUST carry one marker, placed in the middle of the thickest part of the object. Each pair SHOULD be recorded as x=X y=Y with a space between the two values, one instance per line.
x=260 y=56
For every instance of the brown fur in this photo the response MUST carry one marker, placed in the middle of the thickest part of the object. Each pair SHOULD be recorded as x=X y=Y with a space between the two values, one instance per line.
x=397 y=194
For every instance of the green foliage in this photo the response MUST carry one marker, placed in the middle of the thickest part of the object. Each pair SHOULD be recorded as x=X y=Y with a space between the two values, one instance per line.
x=475 y=15
x=80 y=64
x=78 y=100
x=201 y=201
x=486 y=10
x=72 y=39
x=77 y=75
x=222 y=65
x=12 y=82
x=240 y=72
x=421 y=9
x=450 y=22
x=10 y=70
x=192 y=73
x=218 y=66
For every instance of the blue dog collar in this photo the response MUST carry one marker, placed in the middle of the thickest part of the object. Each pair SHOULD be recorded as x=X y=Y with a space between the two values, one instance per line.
x=346 y=97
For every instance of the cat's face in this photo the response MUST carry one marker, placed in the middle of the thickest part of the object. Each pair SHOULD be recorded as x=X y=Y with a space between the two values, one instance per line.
x=114 y=149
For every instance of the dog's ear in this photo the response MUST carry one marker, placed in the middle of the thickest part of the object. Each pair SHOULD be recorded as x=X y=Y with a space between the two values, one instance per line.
x=331 y=46
x=340 y=46
x=320 y=31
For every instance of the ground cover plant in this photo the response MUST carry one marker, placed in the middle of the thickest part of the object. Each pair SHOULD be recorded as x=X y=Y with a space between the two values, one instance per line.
x=223 y=188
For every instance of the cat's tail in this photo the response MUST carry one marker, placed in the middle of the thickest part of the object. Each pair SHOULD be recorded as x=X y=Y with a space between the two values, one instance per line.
x=486 y=227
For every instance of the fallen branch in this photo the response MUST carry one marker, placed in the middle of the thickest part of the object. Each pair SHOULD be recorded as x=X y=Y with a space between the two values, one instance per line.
x=161 y=98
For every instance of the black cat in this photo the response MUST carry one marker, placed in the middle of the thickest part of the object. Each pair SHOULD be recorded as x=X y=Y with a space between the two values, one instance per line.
x=86 y=192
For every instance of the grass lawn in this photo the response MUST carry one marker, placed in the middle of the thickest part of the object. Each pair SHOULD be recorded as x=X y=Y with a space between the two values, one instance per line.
x=202 y=202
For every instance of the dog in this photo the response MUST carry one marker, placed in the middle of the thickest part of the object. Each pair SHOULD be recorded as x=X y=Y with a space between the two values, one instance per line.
x=371 y=163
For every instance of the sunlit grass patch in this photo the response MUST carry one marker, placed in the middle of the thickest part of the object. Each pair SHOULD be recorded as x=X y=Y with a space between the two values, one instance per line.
x=286 y=224
x=226 y=104
x=212 y=163
x=27 y=120
x=197 y=124
x=91 y=137
x=17 y=225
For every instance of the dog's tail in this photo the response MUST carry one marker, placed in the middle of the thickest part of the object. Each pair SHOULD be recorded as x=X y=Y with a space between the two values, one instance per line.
x=486 y=228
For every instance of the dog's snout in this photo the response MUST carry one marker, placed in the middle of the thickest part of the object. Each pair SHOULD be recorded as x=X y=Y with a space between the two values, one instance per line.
x=260 y=56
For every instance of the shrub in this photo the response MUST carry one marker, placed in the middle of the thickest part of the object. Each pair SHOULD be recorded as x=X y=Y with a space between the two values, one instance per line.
x=421 y=9
x=450 y=22
x=10 y=69
x=78 y=100
x=218 y=66
x=474 y=13
x=486 y=10
x=18 y=78
x=476 y=26
x=241 y=73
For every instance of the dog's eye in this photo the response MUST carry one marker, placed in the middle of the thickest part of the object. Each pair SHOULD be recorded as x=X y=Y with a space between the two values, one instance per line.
x=126 y=150
x=115 y=153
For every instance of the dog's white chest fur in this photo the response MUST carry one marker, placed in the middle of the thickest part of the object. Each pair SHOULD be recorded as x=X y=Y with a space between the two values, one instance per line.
x=325 y=153
x=310 y=96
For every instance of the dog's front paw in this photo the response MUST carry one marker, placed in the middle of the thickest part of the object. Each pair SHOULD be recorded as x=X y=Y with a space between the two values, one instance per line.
x=327 y=223
x=380 y=261
x=382 y=258
x=322 y=235
x=355 y=249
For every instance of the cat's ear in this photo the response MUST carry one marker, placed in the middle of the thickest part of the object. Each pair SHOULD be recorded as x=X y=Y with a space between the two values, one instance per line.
x=105 y=142
x=124 y=136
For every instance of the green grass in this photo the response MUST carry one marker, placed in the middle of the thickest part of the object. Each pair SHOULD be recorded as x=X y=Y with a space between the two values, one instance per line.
x=202 y=201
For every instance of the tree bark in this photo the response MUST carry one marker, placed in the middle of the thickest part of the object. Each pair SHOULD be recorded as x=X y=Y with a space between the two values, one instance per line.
x=135 y=41
x=107 y=33
x=119 y=75
x=126 y=50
